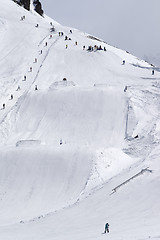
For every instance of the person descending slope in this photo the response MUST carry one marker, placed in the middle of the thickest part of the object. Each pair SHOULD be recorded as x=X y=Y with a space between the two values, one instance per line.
x=106 y=229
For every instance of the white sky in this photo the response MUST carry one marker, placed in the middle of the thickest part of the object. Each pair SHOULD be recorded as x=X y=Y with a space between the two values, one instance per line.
x=132 y=25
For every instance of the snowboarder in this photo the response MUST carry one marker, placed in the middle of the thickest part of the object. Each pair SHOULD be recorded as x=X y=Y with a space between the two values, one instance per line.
x=152 y=72
x=36 y=88
x=125 y=89
x=106 y=229
x=18 y=88
x=123 y=63
x=4 y=105
x=51 y=23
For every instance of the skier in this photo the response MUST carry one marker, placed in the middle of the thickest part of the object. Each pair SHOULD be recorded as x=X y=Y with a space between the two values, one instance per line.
x=37 y=25
x=76 y=43
x=46 y=44
x=36 y=88
x=152 y=72
x=66 y=38
x=4 y=105
x=60 y=142
x=70 y=31
x=66 y=46
x=105 y=49
x=35 y=60
x=25 y=78
x=84 y=47
x=106 y=228
x=50 y=36
x=41 y=52
x=11 y=96
x=51 y=23
x=123 y=63
x=30 y=69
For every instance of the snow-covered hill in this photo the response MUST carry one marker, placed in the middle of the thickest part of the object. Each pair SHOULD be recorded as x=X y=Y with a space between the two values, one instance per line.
x=75 y=124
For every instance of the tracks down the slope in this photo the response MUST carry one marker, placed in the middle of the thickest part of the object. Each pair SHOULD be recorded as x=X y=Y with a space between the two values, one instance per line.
x=19 y=101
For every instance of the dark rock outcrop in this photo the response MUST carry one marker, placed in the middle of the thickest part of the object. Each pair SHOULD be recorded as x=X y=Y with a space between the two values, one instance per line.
x=23 y=3
x=38 y=7
x=26 y=5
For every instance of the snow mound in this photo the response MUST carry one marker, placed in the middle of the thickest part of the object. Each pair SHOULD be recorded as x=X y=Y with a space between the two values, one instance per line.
x=62 y=84
x=26 y=143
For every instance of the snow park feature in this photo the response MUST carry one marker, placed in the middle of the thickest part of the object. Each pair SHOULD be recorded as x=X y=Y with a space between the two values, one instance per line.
x=79 y=141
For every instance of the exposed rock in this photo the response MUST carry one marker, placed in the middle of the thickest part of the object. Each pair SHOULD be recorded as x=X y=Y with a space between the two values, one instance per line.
x=38 y=7
x=26 y=5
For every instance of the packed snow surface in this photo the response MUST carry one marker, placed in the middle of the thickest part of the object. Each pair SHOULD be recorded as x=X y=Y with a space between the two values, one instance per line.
x=79 y=134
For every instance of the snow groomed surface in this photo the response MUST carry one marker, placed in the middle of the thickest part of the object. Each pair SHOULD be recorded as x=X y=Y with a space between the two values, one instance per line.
x=105 y=114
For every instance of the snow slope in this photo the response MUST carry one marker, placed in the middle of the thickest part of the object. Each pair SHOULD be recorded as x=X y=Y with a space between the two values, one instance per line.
x=65 y=191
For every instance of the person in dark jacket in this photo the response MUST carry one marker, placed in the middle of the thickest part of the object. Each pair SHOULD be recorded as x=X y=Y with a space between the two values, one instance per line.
x=106 y=229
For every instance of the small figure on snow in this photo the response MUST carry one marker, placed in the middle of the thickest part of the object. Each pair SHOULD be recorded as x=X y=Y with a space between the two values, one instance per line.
x=152 y=72
x=105 y=49
x=60 y=142
x=76 y=43
x=84 y=47
x=66 y=46
x=70 y=31
x=123 y=63
x=24 y=78
x=125 y=89
x=37 y=25
x=36 y=88
x=106 y=229
x=35 y=60
x=18 y=88
x=4 y=105
x=30 y=69
x=46 y=44
x=11 y=96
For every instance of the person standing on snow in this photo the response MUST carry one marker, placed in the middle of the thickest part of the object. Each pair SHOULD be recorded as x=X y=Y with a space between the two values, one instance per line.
x=106 y=229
